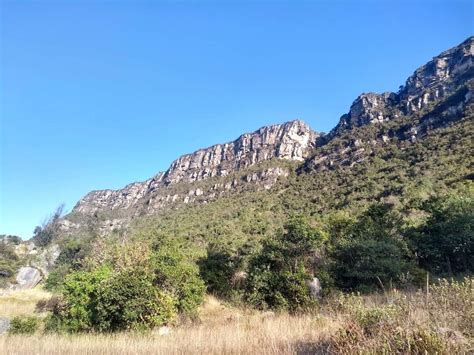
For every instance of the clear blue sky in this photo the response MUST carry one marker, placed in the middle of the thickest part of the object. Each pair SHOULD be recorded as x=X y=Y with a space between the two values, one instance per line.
x=99 y=94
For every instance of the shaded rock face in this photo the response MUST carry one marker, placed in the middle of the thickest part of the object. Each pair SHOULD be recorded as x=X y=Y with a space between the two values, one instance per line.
x=290 y=141
x=27 y=277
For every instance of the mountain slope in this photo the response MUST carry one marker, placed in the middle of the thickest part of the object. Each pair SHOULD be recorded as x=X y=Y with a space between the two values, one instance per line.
x=381 y=131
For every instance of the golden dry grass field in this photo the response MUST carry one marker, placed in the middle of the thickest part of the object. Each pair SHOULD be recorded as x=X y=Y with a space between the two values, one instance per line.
x=440 y=322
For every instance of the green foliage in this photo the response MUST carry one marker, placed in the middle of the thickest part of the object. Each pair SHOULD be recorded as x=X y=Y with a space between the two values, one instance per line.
x=24 y=325
x=224 y=268
x=72 y=257
x=44 y=235
x=445 y=243
x=9 y=262
x=145 y=288
x=80 y=291
x=279 y=274
x=370 y=251
x=179 y=276
x=130 y=300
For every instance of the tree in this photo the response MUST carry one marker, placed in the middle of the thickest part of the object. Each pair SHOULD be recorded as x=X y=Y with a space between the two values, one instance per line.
x=43 y=235
x=371 y=250
x=133 y=287
x=280 y=272
x=444 y=244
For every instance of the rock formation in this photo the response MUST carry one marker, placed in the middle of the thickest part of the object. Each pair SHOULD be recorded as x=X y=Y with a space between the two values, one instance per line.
x=289 y=141
x=438 y=93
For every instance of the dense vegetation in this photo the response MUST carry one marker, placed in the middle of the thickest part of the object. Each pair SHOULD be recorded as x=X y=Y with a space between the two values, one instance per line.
x=406 y=210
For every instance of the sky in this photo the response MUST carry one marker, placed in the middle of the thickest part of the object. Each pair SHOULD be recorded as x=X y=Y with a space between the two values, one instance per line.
x=98 y=94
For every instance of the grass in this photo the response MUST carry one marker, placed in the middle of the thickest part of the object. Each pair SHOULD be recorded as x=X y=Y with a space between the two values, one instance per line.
x=440 y=321
x=20 y=303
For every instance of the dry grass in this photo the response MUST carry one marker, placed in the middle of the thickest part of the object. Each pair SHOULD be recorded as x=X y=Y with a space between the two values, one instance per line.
x=394 y=322
x=222 y=330
x=19 y=303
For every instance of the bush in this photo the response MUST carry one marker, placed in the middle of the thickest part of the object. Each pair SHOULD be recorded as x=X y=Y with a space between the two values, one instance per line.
x=370 y=251
x=80 y=292
x=145 y=289
x=24 y=325
x=279 y=274
x=445 y=243
x=179 y=276
x=130 y=300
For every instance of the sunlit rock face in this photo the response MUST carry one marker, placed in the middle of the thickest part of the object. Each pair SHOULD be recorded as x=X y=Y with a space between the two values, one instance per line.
x=289 y=141
x=437 y=93
x=439 y=77
x=292 y=140
x=428 y=85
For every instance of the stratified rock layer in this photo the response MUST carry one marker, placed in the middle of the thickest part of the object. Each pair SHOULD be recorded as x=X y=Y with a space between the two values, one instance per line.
x=289 y=141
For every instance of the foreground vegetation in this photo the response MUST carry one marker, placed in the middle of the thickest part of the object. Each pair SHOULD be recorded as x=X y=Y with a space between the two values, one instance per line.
x=437 y=320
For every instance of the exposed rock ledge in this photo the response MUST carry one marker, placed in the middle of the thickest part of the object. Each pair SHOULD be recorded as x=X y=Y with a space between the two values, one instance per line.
x=291 y=141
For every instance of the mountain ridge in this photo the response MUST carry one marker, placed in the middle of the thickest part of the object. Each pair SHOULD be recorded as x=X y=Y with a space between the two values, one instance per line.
x=436 y=94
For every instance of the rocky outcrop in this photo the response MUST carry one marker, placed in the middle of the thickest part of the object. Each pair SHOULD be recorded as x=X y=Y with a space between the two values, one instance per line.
x=27 y=277
x=438 y=78
x=370 y=108
x=429 y=84
x=437 y=93
x=289 y=141
x=292 y=140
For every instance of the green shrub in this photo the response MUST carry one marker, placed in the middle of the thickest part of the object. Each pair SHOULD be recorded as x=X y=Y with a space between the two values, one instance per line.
x=143 y=290
x=179 y=276
x=445 y=242
x=279 y=274
x=371 y=251
x=130 y=300
x=24 y=325
x=80 y=292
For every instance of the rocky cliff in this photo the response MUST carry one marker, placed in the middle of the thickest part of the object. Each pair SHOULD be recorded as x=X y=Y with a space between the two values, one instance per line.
x=429 y=84
x=437 y=93
x=289 y=141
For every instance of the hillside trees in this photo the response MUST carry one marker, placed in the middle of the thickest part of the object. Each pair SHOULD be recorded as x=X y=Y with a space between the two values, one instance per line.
x=370 y=250
x=44 y=234
x=279 y=274
x=444 y=244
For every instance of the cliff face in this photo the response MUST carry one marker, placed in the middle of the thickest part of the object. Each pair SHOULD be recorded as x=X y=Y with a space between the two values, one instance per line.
x=289 y=141
x=429 y=84
x=437 y=93
x=293 y=141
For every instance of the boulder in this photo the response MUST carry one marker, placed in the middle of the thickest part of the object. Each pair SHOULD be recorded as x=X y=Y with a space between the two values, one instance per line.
x=27 y=277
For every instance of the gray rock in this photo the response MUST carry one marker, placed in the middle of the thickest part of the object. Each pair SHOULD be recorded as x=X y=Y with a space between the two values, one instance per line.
x=290 y=141
x=27 y=277
x=4 y=325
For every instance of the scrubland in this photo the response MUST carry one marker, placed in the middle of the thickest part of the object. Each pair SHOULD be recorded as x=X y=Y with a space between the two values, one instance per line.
x=438 y=320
